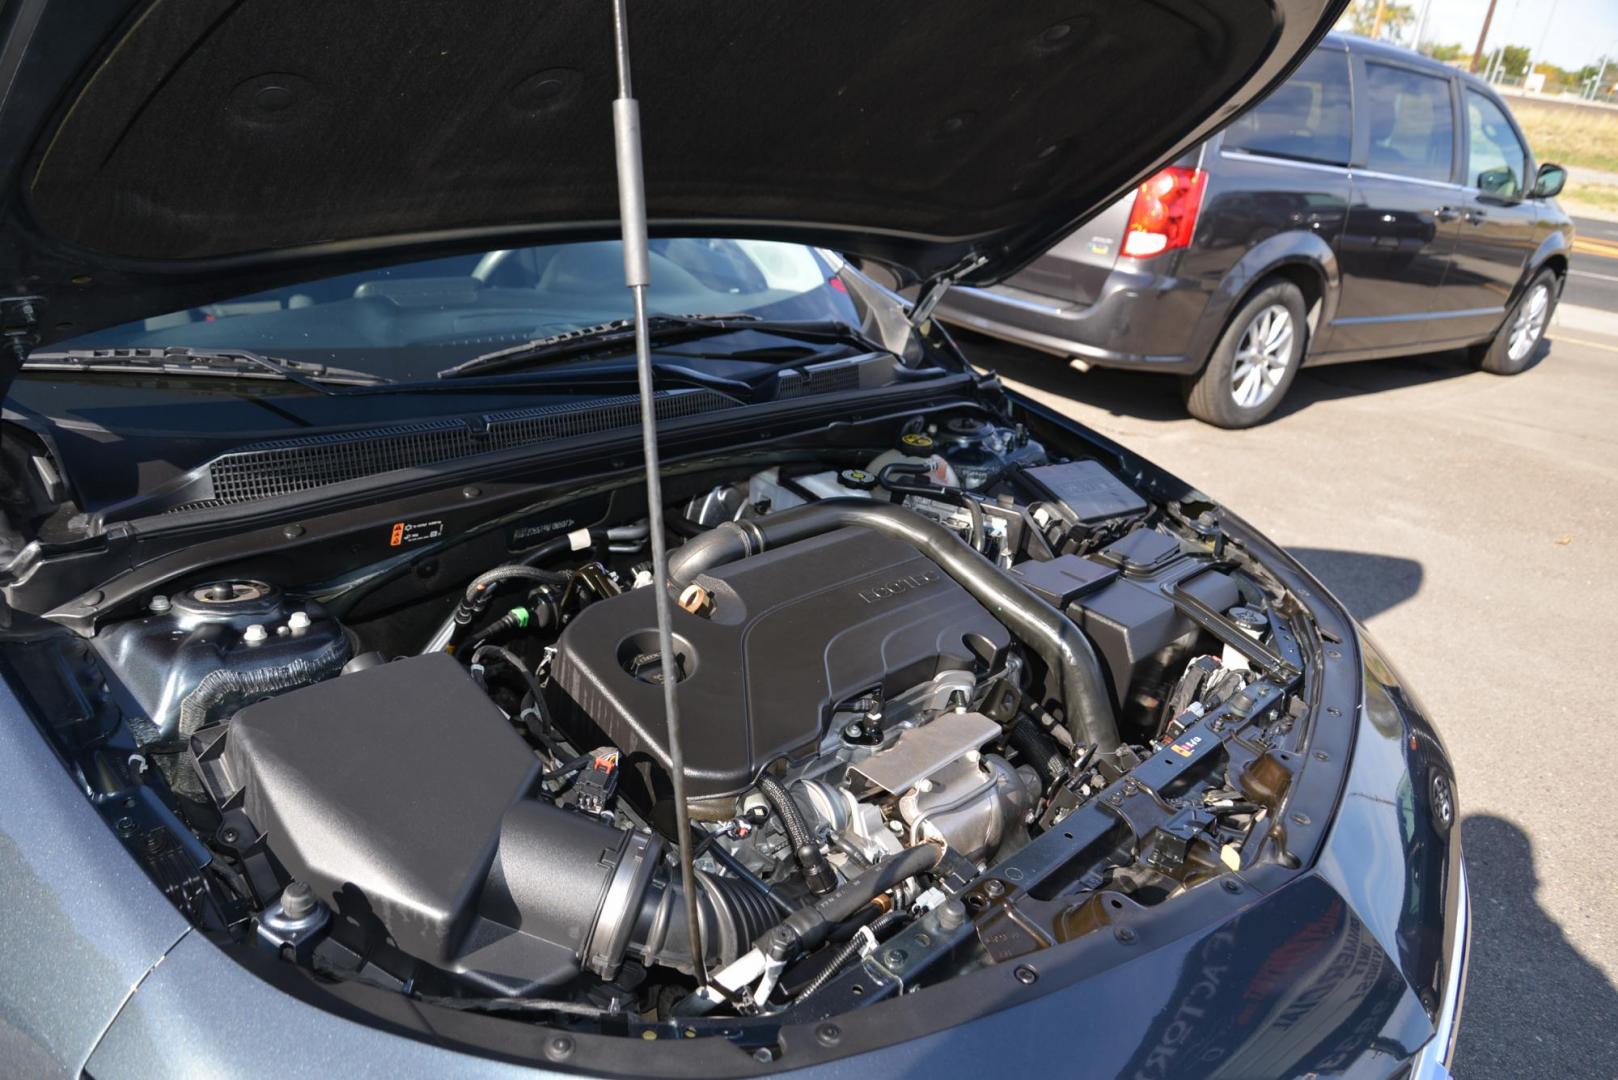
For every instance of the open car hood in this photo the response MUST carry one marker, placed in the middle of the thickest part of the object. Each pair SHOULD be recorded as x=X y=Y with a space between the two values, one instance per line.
x=168 y=154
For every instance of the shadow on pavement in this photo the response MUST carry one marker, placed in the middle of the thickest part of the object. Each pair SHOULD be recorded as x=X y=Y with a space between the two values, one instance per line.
x=1149 y=396
x=1368 y=584
x=1534 y=1005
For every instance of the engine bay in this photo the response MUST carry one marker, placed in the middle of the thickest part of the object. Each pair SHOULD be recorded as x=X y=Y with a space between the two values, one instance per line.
x=950 y=696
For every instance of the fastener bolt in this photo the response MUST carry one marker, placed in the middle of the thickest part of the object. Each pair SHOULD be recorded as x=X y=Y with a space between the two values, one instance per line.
x=994 y=888
x=255 y=634
x=951 y=913
x=828 y=1034
x=1026 y=975
x=1125 y=934
x=158 y=605
x=298 y=899
x=559 y=1047
x=895 y=957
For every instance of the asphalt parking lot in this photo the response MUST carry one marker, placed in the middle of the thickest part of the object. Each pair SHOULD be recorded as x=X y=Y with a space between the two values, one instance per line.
x=1471 y=522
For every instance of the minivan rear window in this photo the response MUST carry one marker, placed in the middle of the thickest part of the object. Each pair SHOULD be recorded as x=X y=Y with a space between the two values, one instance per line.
x=1307 y=118
x=1412 y=122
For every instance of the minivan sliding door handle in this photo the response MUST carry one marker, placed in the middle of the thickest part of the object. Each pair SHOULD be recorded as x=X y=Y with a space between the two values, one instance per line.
x=1446 y=214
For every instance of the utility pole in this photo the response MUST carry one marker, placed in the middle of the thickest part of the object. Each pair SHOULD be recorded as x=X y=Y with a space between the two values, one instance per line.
x=1477 y=53
x=1421 y=24
x=1376 y=25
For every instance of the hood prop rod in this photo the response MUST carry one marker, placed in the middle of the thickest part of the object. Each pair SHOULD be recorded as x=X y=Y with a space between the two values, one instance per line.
x=637 y=276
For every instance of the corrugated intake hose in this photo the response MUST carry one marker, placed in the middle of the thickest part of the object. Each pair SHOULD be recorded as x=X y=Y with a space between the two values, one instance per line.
x=606 y=894
x=1046 y=631
x=817 y=872
x=225 y=684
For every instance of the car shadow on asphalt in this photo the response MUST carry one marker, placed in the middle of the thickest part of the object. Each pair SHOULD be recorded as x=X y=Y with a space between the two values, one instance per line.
x=1534 y=1005
x=1154 y=397
x=1367 y=584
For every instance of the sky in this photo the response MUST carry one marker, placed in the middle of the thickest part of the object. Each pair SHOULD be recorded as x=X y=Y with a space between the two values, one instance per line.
x=1567 y=33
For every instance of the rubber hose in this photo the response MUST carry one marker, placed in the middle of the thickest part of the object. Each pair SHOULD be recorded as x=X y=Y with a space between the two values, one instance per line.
x=222 y=684
x=731 y=911
x=453 y=628
x=1037 y=750
x=808 y=927
x=817 y=872
x=1046 y=631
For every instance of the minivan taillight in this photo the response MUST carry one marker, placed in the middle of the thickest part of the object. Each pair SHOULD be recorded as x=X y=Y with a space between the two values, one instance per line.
x=1165 y=212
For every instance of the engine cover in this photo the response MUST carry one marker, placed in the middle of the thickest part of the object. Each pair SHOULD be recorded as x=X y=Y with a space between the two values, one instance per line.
x=793 y=633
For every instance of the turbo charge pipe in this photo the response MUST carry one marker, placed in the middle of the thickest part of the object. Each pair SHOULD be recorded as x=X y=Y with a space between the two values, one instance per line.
x=1045 y=630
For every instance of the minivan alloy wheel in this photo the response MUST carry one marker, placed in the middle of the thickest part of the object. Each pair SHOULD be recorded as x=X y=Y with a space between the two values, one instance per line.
x=1262 y=356
x=1530 y=322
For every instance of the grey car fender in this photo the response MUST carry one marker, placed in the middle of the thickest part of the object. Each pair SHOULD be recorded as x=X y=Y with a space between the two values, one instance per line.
x=1295 y=248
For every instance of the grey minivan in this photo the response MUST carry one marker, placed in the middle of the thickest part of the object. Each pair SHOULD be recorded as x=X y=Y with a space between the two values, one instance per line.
x=1376 y=204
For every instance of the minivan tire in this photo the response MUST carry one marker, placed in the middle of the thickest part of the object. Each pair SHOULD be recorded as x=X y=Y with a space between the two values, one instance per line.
x=1515 y=346
x=1269 y=332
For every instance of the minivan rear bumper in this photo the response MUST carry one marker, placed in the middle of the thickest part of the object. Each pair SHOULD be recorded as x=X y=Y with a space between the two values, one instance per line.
x=1139 y=321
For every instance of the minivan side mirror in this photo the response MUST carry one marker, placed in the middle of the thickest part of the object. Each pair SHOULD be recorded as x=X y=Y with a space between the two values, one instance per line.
x=1548 y=184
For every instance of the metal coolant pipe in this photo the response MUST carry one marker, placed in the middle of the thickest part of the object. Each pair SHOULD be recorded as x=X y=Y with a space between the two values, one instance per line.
x=1061 y=644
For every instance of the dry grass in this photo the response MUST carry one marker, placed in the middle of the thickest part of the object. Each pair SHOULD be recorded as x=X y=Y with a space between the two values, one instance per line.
x=1568 y=135
x=1590 y=200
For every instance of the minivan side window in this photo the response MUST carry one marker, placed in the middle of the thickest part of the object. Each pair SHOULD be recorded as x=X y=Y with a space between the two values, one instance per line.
x=1411 y=122
x=1307 y=118
x=1496 y=163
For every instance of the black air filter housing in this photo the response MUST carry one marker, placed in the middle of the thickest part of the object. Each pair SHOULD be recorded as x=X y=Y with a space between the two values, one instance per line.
x=388 y=785
x=793 y=633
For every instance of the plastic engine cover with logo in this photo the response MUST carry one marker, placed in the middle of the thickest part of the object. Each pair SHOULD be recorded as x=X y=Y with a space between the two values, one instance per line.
x=792 y=634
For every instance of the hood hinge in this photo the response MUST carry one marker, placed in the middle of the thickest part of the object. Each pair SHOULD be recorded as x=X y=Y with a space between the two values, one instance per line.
x=19 y=332
x=933 y=289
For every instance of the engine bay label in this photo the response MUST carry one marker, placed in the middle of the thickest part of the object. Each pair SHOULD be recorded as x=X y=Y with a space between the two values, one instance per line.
x=405 y=533
x=536 y=528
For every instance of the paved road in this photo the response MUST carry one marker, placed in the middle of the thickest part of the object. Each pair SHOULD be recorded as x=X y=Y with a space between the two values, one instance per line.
x=1471 y=522
x=1593 y=271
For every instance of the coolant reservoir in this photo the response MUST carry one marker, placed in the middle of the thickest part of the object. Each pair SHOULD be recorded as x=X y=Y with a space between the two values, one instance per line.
x=915 y=448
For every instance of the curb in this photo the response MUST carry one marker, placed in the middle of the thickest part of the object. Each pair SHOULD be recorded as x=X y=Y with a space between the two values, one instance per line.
x=1587 y=319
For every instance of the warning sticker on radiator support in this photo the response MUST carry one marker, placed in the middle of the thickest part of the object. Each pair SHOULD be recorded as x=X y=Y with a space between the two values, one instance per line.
x=405 y=533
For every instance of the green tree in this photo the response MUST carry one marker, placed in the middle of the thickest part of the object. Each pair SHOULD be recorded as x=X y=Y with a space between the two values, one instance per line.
x=1453 y=51
x=1360 y=18
x=1513 y=61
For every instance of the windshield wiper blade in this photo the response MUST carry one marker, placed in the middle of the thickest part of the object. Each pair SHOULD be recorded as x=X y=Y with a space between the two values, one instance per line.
x=664 y=329
x=224 y=363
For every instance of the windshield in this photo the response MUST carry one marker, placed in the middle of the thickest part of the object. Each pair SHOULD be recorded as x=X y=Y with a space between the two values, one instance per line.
x=408 y=321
